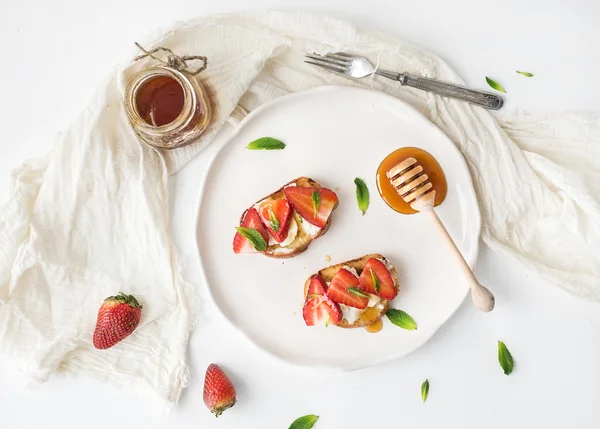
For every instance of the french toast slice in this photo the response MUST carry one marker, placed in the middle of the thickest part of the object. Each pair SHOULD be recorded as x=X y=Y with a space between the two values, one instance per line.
x=375 y=310
x=305 y=232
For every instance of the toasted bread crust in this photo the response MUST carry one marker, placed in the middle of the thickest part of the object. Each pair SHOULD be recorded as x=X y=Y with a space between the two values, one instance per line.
x=358 y=264
x=302 y=240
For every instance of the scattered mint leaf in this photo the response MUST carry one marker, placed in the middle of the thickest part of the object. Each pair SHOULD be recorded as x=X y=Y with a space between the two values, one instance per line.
x=273 y=221
x=358 y=292
x=401 y=319
x=425 y=390
x=495 y=85
x=525 y=73
x=362 y=195
x=304 y=422
x=254 y=237
x=316 y=200
x=375 y=281
x=505 y=358
x=266 y=143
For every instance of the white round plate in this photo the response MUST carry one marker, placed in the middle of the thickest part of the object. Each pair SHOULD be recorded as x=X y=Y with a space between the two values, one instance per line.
x=334 y=134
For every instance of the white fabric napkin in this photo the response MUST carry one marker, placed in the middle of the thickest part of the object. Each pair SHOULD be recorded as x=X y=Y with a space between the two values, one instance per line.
x=90 y=219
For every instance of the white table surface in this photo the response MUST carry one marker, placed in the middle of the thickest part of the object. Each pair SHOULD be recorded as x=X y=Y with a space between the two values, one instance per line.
x=54 y=54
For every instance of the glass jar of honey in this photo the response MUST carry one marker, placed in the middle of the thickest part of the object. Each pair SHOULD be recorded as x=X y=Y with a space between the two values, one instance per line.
x=168 y=108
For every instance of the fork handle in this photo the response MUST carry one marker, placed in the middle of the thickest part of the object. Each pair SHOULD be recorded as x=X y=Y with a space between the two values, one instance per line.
x=484 y=99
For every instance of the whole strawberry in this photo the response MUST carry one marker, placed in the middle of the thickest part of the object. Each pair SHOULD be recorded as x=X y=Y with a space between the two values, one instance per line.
x=117 y=318
x=219 y=393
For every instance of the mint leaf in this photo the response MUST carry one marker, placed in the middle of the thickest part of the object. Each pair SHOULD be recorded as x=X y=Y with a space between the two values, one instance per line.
x=495 y=85
x=316 y=200
x=505 y=358
x=525 y=73
x=425 y=390
x=375 y=281
x=273 y=221
x=401 y=319
x=358 y=292
x=254 y=237
x=266 y=143
x=362 y=195
x=304 y=422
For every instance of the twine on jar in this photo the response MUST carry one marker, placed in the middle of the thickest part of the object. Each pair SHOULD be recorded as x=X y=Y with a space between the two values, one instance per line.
x=174 y=60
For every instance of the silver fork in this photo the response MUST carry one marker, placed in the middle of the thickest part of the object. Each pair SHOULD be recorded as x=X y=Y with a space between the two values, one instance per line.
x=359 y=67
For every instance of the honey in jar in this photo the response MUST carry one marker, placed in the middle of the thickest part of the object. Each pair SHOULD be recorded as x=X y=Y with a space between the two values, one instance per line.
x=430 y=167
x=168 y=108
x=160 y=100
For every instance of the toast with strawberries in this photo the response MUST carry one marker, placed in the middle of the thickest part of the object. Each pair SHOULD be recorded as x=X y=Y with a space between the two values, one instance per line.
x=283 y=224
x=352 y=294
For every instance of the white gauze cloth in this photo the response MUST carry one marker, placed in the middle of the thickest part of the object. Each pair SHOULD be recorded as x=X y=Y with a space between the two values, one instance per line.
x=91 y=218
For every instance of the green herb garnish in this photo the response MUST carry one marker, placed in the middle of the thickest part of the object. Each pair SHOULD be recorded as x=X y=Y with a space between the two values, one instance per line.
x=358 y=292
x=266 y=143
x=304 y=422
x=254 y=237
x=495 y=85
x=273 y=221
x=525 y=73
x=316 y=201
x=425 y=390
x=375 y=281
x=505 y=358
x=362 y=195
x=401 y=319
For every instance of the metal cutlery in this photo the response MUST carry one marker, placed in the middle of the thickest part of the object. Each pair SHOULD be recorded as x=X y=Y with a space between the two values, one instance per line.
x=359 y=67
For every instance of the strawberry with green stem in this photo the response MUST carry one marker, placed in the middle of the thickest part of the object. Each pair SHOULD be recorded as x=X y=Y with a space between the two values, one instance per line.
x=219 y=392
x=117 y=319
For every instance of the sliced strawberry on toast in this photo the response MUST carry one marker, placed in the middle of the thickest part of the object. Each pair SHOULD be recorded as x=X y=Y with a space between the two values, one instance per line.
x=376 y=279
x=276 y=216
x=316 y=287
x=375 y=309
x=291 y=233
x=319 y=310
x=251 y=220
x=313 y=204
x=338 y=290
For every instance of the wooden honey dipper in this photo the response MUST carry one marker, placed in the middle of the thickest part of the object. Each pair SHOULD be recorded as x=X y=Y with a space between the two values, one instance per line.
x=413 y=185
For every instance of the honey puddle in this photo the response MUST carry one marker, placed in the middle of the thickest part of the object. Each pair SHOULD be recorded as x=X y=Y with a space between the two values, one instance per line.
x=375 y=326
x=370 y=314
x=430 y=167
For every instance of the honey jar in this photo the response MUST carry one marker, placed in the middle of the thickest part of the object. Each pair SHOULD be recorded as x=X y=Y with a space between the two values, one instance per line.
x=167 y=107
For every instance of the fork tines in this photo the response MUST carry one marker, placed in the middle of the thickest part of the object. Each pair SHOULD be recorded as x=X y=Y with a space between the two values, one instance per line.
x=339 y=62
